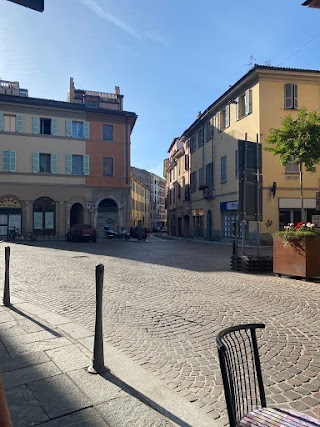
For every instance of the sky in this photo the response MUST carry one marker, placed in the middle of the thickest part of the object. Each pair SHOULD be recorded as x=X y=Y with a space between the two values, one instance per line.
x=170 y=58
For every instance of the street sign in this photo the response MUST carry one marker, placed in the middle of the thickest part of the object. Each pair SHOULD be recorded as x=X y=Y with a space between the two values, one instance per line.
x=37 y=5
x=318 y=201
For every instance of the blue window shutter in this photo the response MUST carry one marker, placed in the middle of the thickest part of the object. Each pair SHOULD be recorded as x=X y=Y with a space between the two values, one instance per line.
x=87 y=130
x=35 y=124
x=69 y=128
x=1 y=121
x=54 y=163
x=35 y=162
x=19 y=123
x=86 y=165
x=68 y=164
x=12 y=164
x=54 y=127
x=5 y=161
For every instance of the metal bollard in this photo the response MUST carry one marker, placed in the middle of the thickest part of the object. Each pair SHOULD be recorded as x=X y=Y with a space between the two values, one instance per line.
x=6 y=290
x=97 y=366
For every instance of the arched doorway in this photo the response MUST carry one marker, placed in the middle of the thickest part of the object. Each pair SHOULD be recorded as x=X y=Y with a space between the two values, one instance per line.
x=10 y=214
x=107 y=215
x=44 y=216
x=76 y=214
x=209 y=225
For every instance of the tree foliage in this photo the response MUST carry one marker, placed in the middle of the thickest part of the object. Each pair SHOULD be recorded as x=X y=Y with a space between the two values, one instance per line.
x=298 y=137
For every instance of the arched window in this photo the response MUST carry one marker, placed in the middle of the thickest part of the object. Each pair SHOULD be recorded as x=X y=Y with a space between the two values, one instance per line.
x=44 y=216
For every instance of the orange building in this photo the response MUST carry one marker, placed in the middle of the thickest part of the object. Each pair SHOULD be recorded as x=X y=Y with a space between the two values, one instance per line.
x=108 y=147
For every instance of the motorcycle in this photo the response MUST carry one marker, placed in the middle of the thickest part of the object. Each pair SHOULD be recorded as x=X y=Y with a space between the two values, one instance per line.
x=113 y=234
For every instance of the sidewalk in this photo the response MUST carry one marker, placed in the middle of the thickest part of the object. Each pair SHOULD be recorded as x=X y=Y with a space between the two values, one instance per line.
x=44 y=359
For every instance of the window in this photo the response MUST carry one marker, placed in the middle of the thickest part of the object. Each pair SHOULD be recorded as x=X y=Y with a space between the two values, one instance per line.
x=9 y=161
x=45 y=126
x=209 y=175
x=107 y=132
x=223 y=168
x=186 y=162
x=209 y=130
x=187 y=192
x=200 y=137
x=77 y=129
x=45 y=162
x=108 y=166
x=290 y=96
x=9 y=123
x=193 y=144
x=244 y=104
x=201 y=177
x=292 y=167
x=224 y=118
x=77 y=164
x=193 y=181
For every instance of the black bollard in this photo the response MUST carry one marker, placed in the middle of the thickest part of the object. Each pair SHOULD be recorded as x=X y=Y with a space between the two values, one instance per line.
x=97 y=366
x=6 y=290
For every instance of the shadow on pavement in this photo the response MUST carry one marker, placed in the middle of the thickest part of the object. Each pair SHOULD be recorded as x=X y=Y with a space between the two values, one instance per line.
x=144 y=399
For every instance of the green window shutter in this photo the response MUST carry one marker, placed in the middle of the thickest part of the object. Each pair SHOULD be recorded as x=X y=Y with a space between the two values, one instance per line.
x=68 y=164
x=69 y=128
x=87 y=130
x=86 y=165
x=12 y=164
x=54 y=127
x=1 y=121
x=19 y=123
x=35 y=124
x=54 y=163
x=5 y=161
x=35 y=163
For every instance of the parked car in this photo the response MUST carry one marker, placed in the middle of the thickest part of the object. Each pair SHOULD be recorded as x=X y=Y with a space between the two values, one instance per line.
x=82 y=232
x=111 y=234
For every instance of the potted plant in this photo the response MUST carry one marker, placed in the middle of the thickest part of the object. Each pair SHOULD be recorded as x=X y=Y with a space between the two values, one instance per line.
x=296 y=251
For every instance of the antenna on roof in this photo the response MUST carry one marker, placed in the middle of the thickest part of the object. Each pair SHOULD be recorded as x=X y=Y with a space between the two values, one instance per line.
x=251 y=62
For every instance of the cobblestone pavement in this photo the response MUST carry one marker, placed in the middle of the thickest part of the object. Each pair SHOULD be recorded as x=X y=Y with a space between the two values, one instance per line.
x=164 y=303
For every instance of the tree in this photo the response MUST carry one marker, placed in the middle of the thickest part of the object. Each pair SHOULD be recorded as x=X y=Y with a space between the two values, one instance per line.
x=298 y=140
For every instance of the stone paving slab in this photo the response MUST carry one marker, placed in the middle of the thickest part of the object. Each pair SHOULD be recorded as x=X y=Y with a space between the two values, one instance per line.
x=85 y=417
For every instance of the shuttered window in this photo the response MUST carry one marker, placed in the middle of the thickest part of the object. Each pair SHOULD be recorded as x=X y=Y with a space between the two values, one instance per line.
x=290 y=96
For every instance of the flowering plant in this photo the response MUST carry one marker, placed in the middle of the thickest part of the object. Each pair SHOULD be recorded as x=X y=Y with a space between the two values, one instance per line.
x=296 y=232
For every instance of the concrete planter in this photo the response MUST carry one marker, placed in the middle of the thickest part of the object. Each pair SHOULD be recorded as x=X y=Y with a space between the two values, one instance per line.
x=297 y=258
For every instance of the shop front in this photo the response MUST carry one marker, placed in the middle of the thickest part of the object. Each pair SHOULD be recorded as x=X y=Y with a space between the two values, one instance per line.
x=10 y=214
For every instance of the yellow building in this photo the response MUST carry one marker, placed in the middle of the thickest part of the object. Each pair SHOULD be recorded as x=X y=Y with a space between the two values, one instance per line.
x=177 y=171
x=140 y=202
x=248 y=109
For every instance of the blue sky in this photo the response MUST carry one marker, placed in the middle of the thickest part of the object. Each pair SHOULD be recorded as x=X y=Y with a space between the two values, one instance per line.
x=171 y=58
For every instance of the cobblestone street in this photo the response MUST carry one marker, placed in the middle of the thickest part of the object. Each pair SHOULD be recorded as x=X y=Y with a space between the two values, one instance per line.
x=164 y=302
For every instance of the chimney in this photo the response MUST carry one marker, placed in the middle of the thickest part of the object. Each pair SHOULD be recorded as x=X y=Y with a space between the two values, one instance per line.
x=117 y=90
x=199 y=114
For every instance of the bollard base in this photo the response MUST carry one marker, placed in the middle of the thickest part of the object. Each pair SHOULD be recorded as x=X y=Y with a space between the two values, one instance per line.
x=100 y=370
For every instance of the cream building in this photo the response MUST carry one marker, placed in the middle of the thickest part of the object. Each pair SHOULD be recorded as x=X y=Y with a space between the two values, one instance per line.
x=140 y=202
x=248 y=109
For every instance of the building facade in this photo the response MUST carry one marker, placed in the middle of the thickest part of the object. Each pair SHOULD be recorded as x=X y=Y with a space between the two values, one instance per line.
x=248 y=110
x=52 y=172
x=157 y=208
x=140 y=202
x=177 y=170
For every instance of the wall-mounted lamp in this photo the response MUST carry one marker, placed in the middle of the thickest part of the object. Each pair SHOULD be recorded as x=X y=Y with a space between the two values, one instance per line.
x=273 y=189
